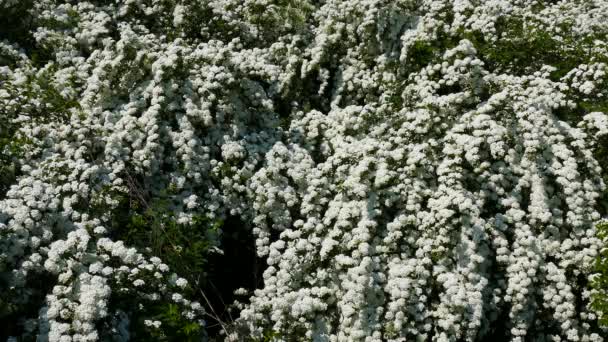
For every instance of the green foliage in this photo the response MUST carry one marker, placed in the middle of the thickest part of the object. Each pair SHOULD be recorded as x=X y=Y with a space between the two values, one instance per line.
x=10 y=149
x=171 y=316
x=523 y=49
x=421 y=54
x=600 y=282
x=267 y=336
x=152 y=225
x=601 y=155
x=148 y=222
x=270 y=335
x=594 y=106
x=16 y=24
x=291 y=14
x=57 y=105
x=174 y=327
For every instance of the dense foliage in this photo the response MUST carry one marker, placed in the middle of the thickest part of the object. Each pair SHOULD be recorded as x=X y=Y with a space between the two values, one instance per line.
x=347 y=170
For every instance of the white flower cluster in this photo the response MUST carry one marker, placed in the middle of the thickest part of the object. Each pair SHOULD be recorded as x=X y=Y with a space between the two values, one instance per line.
x=404 y=175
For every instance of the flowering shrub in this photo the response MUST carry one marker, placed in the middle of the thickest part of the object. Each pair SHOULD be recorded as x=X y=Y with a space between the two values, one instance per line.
x=408 y=169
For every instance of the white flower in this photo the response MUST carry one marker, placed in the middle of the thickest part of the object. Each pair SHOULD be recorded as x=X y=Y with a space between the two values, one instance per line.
x=181 y=282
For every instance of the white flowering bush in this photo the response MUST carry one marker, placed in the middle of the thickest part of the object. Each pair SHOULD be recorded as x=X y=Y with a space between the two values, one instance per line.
x=424 y=170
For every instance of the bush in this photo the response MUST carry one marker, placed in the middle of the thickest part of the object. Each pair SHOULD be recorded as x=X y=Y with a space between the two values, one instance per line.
x=278 y=170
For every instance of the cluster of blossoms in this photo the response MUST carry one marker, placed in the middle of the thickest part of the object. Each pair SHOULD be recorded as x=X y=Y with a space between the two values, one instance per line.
x=407 y=170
